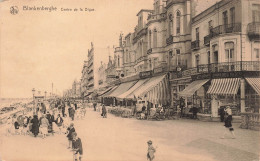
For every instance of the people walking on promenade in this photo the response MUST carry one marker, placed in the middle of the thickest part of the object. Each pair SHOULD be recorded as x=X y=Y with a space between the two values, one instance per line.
x=70 y=130
x=151 y=151
x=72 y=113
x=77 y=147
x=104 y=111
x=35 y=125
x=44 y=126
x=95 y=105
x=59 y=122
x=222 y=113
x=63 y=108
x=50 y=118
x=228 y=124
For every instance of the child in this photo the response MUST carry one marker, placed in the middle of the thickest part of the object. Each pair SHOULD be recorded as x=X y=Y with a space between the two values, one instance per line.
x=151 y=151
x=70 y=130
x=77 y=147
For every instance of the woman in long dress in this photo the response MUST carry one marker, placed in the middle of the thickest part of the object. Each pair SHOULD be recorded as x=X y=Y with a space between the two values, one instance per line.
x=44 y=126
x=35 y=125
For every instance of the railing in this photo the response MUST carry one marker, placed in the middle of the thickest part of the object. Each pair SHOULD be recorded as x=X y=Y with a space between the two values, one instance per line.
x=253 y=30
x=195 y=44
x=222 y=29
x=223 y=67
x=207 y=40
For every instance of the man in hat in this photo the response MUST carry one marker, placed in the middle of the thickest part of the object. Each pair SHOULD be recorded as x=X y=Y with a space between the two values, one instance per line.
x=70 y=130
x=151 y=151
x=77 y=147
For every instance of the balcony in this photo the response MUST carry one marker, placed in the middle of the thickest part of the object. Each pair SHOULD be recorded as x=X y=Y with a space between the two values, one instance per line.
x=195 y=44
x=253 y=31
x=223 y=67
x=207 y=40
x=139 y=34
x=223 y=29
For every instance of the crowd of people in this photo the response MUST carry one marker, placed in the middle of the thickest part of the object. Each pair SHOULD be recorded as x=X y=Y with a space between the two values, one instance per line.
x=48 y=118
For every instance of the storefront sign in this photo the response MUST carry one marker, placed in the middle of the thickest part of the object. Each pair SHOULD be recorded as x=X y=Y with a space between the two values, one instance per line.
x=227 y=75
x=146 y=74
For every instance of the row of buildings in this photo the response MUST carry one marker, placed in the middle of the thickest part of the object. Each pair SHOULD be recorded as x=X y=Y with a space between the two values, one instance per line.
x=209 y=59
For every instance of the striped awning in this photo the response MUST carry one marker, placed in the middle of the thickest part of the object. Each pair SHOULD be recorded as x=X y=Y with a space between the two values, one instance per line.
x=254 y=83
x=224 y=86
x=109 y=92
x=192 y=88
x=136 y=86
x=159 y=93
x=121 y=89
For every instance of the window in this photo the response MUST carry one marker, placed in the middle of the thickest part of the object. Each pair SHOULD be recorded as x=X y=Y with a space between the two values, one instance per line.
x=225 y=19
x=150 y=39
x=229 y=51
x=210 y=26
x=208 y=57
x=178 y=22
x=118 y=61
x=170 y=24
x=197 y=58
x=232 y=16
x=178 y=55
x=155 y=38
x=256 y=12
x=197 y=34
x=256 y=54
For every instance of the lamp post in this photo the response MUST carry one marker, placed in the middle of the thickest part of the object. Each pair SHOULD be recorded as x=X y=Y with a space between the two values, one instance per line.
x=45 y=95
x=33 y=92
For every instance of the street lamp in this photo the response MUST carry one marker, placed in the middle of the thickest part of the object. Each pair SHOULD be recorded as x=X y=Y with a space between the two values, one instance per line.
x=33 y=92
x=45 y=95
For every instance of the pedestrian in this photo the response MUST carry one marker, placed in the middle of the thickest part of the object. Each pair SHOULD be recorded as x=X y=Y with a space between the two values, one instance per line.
x=50 y=118
x=194 y=112
x=72 y=114
x=151 y=151
x=35 y=125
x=44 y=126
x=104 y=111
x=77 y=147
x=222 y=113
x=94 y=105
x=63 y=108
x=59 y=122
x=228 y=124
x=70 y=130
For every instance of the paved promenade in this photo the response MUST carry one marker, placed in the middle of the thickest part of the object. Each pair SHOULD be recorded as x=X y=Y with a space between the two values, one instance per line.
x=124 y=139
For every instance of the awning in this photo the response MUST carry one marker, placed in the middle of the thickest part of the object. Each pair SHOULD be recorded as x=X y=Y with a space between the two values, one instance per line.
x=155 y=90
x=121 y=89
x=254 y=83
x=104 y=91
x=87 y=94
x=137 y=85
x=108 y=92
x=192 y=88
x=224 y=86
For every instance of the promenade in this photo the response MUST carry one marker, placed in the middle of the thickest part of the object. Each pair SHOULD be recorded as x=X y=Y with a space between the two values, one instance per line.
x=124 y=139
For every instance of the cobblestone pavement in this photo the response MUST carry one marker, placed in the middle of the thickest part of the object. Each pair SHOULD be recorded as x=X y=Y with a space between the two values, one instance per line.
x=124 y=139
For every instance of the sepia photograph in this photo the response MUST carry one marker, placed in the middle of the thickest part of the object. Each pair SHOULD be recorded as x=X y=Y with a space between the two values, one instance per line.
x=129 y=80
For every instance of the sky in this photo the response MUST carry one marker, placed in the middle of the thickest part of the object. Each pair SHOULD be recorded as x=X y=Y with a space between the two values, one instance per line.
x=38 y=48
